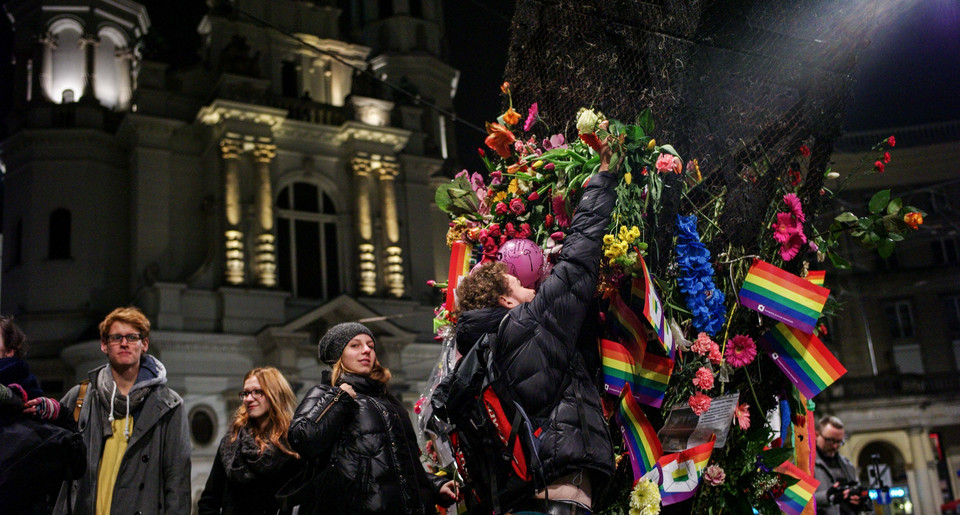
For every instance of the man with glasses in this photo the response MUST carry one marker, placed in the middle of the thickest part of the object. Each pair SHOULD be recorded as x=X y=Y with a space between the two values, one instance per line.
x=838 y=492
x=134 y=427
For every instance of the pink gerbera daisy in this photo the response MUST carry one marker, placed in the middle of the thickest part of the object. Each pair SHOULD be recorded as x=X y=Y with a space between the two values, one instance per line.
x=793 y=203
x=742 y=416
x=740 y=351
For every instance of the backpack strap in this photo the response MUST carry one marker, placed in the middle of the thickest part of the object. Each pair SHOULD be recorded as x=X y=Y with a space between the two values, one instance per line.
x=80 y=397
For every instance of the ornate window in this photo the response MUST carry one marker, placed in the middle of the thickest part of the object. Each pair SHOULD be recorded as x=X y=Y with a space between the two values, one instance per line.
x=112 y=69
x=63 y=74
x=308 y=261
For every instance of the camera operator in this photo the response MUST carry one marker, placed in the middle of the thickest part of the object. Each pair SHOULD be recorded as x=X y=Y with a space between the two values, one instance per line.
x=839 y=491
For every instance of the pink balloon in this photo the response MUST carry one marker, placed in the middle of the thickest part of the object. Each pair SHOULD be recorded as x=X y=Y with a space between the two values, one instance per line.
x=524 y=260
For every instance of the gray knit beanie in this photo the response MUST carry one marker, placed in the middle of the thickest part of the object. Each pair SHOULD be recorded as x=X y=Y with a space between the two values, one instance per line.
x=335 y=340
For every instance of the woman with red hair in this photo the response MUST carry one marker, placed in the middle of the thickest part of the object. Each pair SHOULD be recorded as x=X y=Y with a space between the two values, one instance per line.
x=254 y=459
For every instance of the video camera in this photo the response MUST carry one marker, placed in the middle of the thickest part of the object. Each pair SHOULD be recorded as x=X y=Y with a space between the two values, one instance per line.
x=835 y=495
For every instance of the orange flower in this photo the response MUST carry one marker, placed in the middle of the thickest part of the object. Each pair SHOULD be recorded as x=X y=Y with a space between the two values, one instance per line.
x=914 y=219
x=511 y=117
x=505 y=88
x=517 y=167
x=499 y=139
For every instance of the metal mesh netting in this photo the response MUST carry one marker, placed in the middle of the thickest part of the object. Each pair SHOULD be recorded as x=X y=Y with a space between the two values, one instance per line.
x=738 y=85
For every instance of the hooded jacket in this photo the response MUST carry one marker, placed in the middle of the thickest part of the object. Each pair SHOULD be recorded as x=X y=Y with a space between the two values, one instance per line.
x=154 y=474
x=374 y=461
x=542 y=348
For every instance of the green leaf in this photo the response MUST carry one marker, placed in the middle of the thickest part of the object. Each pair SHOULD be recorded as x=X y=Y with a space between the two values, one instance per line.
x=885 y=247
x=879 y=201
x=668 y=149
x=894 y=206
x=774 y=457
x=846 y=217
x=895 y=236
x=645 y=121
x=838 y=262
x=457 y=197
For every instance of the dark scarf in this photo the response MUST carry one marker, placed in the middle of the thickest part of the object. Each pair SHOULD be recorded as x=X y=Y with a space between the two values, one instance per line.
x=15 y=370
x=245 y=463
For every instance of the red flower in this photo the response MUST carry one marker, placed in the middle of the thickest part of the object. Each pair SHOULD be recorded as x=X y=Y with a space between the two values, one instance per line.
x=592 y=140
x=494 y=230
x=699 y=403
x=481 y=152
x=499 y=139
x=517 y=207
x=878 y=166
x=501 y=208
x=533 y=197
x=886 y=157
x=548 y=220
x=913 y=219
x=795 y=177
x=892 y=141
x=510 y=230
x=525 y=231
x=804 y=151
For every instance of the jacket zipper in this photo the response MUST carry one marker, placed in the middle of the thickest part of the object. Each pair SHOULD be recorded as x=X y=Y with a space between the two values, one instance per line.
x=327 y=407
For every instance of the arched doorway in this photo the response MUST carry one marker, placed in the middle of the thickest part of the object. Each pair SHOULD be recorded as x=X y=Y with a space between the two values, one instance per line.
x=879 y=463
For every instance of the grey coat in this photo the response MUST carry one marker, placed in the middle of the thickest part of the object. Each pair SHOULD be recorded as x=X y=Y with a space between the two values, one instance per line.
x=154 y=474
x=841 y=472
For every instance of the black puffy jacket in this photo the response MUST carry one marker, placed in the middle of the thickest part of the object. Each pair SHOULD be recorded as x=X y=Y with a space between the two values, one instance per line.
x=374 y=458
x=542 y=348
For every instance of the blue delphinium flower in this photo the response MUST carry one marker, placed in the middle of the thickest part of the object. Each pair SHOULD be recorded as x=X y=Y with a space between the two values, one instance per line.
x=703 y=298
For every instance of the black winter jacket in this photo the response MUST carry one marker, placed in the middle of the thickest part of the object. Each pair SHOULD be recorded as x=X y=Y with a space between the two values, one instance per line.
x=542 y=348
x=374 y=458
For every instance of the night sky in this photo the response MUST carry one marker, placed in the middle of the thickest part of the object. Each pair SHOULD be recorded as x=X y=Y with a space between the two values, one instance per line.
x=910 y=73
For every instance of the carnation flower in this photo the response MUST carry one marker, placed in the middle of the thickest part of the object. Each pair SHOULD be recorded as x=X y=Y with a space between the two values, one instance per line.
x=913 y=219
x=715 y=357
x=742 y=416
x=714 y=475
x=878 y=166
x=886 y=157
x=740 y=351
x=531 y=117
x=702 y=345
x=703 y=378
x=645 y=498
x=804 y=151
x=892 y=141
x=699 y=403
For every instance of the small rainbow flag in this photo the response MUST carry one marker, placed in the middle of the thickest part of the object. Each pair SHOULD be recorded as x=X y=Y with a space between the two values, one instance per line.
x=459 y=267
x=653 y=308
x=679 y=473
x=803 y=358
x=626 y=323
x=629 y=364
x=783 y=296
x=817 y=277
x=796 y=497
x=638 y=435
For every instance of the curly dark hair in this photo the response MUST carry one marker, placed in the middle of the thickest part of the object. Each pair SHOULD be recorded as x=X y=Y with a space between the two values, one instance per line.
x=13 y=337
x=483 y=287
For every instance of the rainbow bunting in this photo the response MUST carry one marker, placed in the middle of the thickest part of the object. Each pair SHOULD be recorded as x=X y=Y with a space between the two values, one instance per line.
x=796 y=497
x=817 y=277
x=459 y=267
x=638 y=435
x=783 y=296
x=653 y=308
x=679 y=473
x=803 y=358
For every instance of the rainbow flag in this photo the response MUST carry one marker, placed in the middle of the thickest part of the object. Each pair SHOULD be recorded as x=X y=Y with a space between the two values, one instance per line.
x=629 y=364
x=796 y=497
x=626 y=323
x=679 y=474
x=459 y=267
x=803 y=358
x=638 y=435
x=817 y=277
x=653 y=308
x=783 y=296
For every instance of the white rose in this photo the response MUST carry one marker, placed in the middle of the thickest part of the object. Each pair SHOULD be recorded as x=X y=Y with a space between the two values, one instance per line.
x=587 y=121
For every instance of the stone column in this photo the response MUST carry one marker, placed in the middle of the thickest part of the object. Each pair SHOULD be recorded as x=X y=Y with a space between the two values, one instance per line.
x=389 y=169
x=234 y=264
x=43 y=67
x=362 y=166
x=89 y=43
x=265 y=262
x=927 y=498
x=125 y=58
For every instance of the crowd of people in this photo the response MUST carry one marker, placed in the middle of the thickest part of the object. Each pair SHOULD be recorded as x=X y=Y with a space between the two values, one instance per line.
x=118 y=442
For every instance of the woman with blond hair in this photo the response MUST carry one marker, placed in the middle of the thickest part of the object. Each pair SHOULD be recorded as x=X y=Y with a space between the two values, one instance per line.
x=254 y=459
x=362 y=435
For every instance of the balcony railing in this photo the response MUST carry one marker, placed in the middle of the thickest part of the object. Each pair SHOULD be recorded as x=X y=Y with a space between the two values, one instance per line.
x=308 y=110
x=887 y=385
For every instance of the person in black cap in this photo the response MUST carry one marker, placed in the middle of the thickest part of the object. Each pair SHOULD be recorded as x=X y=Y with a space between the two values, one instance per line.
x=362 y=435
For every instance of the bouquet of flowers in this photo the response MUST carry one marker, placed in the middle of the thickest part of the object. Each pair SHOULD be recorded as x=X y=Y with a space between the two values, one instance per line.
x=704 y=345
